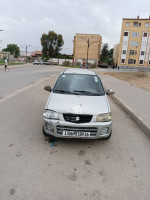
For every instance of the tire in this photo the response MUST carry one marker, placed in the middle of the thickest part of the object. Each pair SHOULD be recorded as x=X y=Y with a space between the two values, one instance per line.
x=45 y=134
x=106 y=138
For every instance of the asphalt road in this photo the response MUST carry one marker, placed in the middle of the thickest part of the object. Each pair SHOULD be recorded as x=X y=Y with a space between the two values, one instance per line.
x=19 y=77
x=33 y=168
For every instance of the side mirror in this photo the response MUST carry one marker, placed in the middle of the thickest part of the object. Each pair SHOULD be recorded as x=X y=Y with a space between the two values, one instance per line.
x=48 y=88
x=110 y=92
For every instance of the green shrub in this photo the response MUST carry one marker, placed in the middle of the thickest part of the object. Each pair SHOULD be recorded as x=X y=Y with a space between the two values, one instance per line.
x=66 y=64
x=92 y=66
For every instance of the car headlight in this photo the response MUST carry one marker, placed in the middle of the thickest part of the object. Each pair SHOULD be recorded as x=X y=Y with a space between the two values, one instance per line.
x=50 y=114
x=107 y=117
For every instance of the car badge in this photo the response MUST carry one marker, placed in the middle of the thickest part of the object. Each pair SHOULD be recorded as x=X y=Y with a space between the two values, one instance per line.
x=77 y=118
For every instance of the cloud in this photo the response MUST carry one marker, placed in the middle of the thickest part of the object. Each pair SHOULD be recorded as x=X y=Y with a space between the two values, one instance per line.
x=24 y=22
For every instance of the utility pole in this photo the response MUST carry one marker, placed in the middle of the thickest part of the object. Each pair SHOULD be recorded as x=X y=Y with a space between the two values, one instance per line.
x=88 y=45
x=26 y=49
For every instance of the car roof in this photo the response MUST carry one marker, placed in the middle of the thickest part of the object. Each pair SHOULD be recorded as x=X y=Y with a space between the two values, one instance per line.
x=79 y=71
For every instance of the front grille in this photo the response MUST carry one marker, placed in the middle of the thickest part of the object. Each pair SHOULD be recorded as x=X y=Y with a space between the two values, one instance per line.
x=92 y=130
x=77 y=118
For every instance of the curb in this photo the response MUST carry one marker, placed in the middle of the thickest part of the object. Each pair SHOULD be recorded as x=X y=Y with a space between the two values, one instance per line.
x=140 y=122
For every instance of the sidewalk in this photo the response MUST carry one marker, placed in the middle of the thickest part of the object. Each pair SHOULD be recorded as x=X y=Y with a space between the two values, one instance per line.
x=136 y=99
x=16 y=66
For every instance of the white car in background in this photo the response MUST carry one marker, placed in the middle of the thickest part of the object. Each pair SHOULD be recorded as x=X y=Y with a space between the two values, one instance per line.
x=36 y=62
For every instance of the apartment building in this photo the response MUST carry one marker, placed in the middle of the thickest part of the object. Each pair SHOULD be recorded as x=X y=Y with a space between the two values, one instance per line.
x=116 y=54
x=81 y=45
x=134 y=48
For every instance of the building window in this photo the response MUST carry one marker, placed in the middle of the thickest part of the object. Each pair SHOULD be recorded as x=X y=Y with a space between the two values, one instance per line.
x=134 y=44
x=132 y=52
x=131 y=61
x=123 y=51
x=144 y=34
x=125 y=33
x=146 y=24
x=136 y=24
x=127 y=24
x=138 y=34
x=122 y=61
x=142 y=53
x=141 y=62
x=135 y=34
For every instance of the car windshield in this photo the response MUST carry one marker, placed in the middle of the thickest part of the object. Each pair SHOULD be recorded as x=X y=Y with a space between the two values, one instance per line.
x=79 y=84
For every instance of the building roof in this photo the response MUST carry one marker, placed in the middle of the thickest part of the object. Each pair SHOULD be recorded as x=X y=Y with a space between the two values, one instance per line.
x=79 y=71
x=36 y=53
x=136 y=18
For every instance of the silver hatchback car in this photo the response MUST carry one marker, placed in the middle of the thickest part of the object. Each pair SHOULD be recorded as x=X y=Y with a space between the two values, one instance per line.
x=78 y=107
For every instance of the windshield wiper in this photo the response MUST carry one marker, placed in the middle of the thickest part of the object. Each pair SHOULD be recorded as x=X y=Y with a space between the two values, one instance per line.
x=85 y=92
x=62 y=91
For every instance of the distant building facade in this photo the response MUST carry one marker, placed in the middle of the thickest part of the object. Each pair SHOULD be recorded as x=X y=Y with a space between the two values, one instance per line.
x=116 y=54
x=6 y=55
x=134 y=48
x=80 y=47
x=37 y=55
x=23 y=55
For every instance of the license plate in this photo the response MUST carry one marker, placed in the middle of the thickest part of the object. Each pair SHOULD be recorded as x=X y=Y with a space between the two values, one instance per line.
x=76 y=134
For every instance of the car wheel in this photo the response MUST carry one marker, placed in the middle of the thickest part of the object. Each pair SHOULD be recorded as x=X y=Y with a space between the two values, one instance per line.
x=47 y=135
x=106 y=138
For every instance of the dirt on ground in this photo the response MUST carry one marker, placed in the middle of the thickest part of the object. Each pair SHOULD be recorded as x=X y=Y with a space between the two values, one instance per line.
x=140 y=79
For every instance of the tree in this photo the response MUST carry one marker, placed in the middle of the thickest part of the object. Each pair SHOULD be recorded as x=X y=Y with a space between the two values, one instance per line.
x=51 y=43
x=104 y=52
x=12 y=49
x=88 y=45
x=110 y=60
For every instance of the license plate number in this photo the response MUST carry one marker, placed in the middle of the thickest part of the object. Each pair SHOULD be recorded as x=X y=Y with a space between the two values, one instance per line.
x=76 y=134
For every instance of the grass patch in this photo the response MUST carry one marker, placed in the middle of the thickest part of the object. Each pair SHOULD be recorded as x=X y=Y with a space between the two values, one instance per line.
x=11 y=63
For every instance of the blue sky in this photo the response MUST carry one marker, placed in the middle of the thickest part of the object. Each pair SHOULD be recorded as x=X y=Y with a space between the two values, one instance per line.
x=23 y=22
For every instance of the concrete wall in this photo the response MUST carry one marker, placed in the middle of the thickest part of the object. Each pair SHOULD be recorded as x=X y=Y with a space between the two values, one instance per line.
x=60 y=61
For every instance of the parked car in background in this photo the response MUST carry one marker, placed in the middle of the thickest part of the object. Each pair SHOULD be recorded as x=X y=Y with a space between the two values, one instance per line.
x=36 y=62
x=41 y=62
x=47 y=62
x=103 y=66
x=78 y=107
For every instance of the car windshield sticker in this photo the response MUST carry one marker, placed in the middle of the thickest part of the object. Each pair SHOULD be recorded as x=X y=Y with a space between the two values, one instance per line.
x=63 y=76
x=96 y=79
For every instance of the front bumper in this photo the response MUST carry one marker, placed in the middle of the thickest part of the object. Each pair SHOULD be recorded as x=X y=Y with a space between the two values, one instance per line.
x=96 y=129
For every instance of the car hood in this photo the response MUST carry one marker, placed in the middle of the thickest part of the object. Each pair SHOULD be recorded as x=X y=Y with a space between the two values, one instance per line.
x=78 y=104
